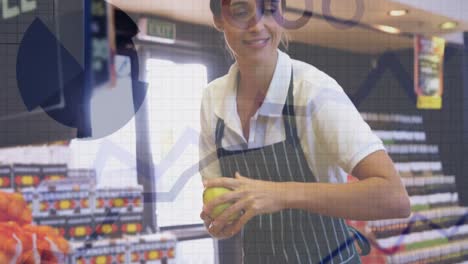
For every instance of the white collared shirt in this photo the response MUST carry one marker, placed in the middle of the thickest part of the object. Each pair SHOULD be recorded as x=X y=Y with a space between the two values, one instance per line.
x=333 y=135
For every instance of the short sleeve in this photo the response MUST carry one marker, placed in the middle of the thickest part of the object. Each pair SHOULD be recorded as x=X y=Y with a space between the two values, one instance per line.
x=209 y=164
x=341 y=131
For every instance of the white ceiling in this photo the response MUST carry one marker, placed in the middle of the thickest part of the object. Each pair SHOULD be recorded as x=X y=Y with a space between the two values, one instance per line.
x=455 y=9
x=420 y=20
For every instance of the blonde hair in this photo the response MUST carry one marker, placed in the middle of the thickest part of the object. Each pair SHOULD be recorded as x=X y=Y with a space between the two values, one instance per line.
x=285 y=39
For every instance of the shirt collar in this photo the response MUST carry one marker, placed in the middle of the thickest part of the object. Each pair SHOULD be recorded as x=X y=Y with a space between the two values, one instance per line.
x=275 y=98
x=278 y=89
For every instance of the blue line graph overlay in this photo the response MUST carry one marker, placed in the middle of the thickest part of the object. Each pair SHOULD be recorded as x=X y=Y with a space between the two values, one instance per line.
x=412 y=221
x=190 y=137
x=388 y=61
x=393 y=250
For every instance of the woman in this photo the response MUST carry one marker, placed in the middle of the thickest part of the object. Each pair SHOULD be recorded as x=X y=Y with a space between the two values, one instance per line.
x=283 y=136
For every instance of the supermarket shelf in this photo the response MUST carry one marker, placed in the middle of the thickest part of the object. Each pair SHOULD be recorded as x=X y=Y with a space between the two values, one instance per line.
x=436 y=231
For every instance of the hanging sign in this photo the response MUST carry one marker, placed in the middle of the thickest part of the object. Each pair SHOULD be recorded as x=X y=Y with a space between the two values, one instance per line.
x=428 y=71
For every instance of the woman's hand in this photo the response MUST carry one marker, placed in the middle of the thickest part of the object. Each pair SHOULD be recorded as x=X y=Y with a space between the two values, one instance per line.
x=223 y=234
x=249 y=198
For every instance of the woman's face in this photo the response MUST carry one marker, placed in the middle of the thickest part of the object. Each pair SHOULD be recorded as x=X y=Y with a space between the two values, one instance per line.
x=250 y=28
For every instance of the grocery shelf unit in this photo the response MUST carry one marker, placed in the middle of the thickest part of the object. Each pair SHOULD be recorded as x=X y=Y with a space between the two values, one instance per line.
x=20 y=128
x=436 y=231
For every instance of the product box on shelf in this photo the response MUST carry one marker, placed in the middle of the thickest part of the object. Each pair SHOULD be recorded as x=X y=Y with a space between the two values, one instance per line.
x=429 y=185
x=26 y=175
x=131 y=223
x=153 y=249
x=6 y=182
x=119 y=200
x=106 y=226
x=54 y=171
x=104 y=251
x=65 y=197
x=79 y=227
x=113 y=225
x=73 y=228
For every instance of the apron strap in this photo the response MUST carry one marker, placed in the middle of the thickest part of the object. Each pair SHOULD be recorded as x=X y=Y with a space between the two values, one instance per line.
x=219 y=133
x=289 y=115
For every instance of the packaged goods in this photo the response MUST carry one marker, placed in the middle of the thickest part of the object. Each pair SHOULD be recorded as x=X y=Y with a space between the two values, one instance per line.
x=153 y=249
x=64 y=197
x=131 y=223
x=107 y=225
x=54 y=171
x=26 y=175
x=6 y=182
x=105 y=251
x=119 y=200
x=79 y=227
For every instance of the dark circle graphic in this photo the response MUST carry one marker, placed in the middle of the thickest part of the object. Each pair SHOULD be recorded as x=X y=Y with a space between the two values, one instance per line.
x=278 y=16
x=298 y=23
x=49 y=77
x=346 y=24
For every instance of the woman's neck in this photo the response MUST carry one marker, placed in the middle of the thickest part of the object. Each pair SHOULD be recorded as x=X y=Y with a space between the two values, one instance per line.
x=255 y=78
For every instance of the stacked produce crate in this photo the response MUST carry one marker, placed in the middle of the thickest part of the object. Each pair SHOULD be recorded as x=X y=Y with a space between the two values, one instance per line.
x=72 y=217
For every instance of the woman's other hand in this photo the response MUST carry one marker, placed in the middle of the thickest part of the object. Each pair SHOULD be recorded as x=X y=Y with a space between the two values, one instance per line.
x=216 y=233
x=249 y=198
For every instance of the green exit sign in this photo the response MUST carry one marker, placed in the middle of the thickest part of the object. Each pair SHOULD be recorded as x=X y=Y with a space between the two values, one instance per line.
x=162 y=29
x=157 y=30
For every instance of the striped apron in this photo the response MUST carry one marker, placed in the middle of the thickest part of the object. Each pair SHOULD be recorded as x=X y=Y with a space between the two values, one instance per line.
x=291 y=235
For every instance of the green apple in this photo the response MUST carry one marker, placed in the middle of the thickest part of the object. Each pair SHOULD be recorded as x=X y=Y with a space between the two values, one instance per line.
x=213 y=192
